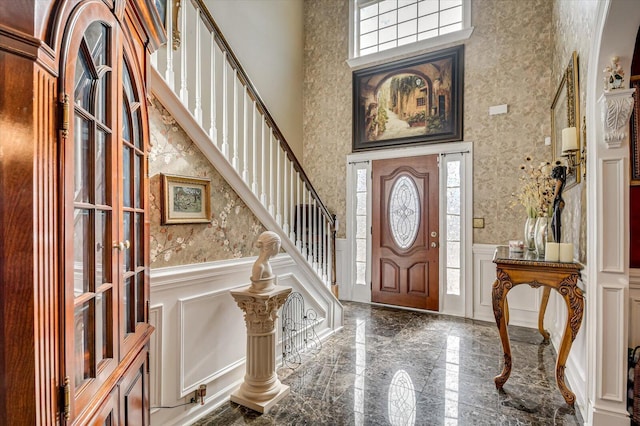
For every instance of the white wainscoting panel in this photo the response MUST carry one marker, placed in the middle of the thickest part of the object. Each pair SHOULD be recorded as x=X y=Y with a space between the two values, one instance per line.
x=613 y=216
x=212 y=323
x=155 y=358
x=613 y=361
x=342 y=268
x=524 y=301
x=200 y=333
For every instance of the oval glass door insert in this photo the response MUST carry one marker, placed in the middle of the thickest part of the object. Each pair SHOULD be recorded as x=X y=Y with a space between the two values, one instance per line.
x=404 y=212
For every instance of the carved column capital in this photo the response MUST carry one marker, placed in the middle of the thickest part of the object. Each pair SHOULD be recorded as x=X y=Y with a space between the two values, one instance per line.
x=261 y=311
x=617 y=106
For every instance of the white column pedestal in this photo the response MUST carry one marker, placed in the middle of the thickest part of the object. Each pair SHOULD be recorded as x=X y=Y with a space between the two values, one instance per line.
x=261 y=388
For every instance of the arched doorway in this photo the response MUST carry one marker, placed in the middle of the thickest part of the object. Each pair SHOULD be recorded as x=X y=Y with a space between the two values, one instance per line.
x=608 y=228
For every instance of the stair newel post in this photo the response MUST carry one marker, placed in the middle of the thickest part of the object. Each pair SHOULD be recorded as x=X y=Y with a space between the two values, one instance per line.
x=263 y=183
x=254 y=153
x=245 y=145
x=213 y=131
x=225 y=120
x=292 y=203
x=184 y=92
x=285 y=199
x=271 y=183
x=278 y=183
x=332 y=247
x=198 y=107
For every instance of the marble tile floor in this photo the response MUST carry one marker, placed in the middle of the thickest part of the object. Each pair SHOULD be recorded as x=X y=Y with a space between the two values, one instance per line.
x=397 y=367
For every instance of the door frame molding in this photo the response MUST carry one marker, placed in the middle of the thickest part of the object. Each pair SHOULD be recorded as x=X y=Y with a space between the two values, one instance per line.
x=348 y=289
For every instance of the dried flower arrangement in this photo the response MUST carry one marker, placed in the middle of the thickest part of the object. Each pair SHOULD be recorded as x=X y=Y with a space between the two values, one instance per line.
x=536 y=190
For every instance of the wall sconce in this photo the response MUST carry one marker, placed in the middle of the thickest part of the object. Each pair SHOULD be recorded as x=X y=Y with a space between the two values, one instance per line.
x=570 y=150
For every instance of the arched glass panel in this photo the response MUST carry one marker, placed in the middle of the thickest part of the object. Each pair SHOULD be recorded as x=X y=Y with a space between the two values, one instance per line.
x=92 y=234
x=133 y=194
x=404 y=212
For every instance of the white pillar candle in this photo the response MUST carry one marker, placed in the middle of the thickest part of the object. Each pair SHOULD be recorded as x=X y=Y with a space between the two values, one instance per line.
x=552 y=252
x=566 y=252
x=569 y=139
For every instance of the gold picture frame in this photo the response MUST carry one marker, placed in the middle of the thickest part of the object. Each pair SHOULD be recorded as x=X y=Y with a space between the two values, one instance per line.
x=565 y=112
x=185 y=199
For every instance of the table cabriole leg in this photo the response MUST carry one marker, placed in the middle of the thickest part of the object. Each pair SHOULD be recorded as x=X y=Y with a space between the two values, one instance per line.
x=572 y=296
x=546 y=291
x=499 y=295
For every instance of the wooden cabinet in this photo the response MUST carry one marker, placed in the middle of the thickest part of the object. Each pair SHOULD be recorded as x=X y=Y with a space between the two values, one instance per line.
x=74 y=273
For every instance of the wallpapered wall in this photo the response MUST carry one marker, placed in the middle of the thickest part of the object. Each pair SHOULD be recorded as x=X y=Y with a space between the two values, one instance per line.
x=574 y=24
x=507 y=61
x=233 y=228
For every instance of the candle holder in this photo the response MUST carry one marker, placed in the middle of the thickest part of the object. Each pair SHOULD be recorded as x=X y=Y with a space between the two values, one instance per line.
x=575 y=157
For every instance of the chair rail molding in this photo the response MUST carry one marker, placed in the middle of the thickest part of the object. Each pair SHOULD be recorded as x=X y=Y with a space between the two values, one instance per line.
x=617 y=106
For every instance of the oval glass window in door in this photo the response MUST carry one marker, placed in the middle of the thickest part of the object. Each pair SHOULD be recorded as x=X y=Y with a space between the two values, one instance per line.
x=404 y=212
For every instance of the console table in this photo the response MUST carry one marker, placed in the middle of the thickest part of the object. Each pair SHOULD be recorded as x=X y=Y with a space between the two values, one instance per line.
x=513 y=269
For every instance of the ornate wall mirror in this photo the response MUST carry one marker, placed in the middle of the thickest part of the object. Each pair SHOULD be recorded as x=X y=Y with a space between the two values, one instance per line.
x=565 y=112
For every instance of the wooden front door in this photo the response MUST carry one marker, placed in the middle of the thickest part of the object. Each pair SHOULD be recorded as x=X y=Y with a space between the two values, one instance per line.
x=405 y=232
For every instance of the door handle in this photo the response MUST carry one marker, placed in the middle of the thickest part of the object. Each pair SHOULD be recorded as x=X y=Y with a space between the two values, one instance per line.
x=434 y=244
x=122 y=245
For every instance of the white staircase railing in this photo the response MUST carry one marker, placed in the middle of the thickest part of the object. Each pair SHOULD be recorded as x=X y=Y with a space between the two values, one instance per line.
x=203 y=73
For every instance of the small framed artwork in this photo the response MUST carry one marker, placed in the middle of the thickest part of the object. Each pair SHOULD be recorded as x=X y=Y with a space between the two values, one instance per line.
x=185 y=200
x=412 y=101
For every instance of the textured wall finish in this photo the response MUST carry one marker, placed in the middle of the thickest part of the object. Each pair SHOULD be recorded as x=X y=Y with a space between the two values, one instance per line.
x=274 y=64
x=507 y=61
x=574 y=23
x=327 y=101
x=233 y=228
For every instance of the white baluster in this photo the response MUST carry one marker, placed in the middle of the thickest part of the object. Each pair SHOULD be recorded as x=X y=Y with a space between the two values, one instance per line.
x=285 y=199
x=213 y=131
x=325 y=252
x=263 y=184
x=234 y=161
x=271 y=173
x=197 y=112
x=254 y=152
x=184 y=92
x=314 y=234
x=278 y=183
x=292 y=206
x=168 y=73
x=305 y=225
x=245 y=146
x=298 y=214
x=225 y=107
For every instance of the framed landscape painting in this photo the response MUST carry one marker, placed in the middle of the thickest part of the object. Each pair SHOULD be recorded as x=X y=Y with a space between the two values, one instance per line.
x=412 y=101
x=185 y=200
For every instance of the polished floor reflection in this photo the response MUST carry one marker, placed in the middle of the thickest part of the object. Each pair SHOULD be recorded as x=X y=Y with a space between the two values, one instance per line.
x=395 y=367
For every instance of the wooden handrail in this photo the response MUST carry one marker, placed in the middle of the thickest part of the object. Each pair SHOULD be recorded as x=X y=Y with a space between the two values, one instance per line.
x=253 y=93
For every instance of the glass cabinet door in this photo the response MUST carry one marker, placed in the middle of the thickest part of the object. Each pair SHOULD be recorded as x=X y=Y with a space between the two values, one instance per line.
x=93 y=207
x=133 y=195
x=104 y=198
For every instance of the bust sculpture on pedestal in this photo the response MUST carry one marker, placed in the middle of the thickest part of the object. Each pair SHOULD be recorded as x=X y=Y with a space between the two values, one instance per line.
x=262 y=278
x=260 y=302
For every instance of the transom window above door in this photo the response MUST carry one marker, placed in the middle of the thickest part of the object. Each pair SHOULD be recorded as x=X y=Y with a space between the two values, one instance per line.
x=381 y=29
